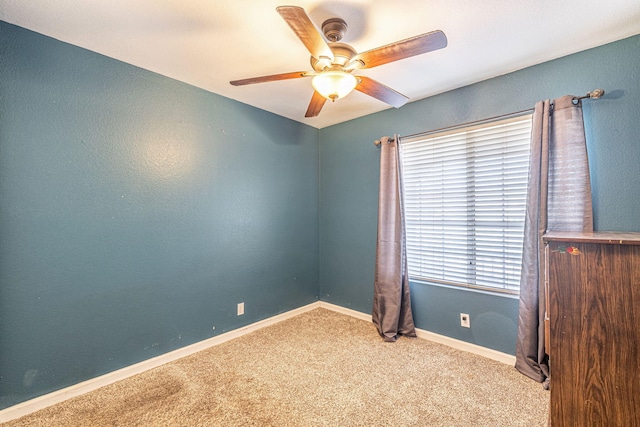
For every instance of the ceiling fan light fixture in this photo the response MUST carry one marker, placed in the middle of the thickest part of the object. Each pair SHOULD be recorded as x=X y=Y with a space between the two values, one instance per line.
x=334 y=84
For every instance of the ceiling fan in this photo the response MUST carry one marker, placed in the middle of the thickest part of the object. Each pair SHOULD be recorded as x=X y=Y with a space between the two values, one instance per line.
x=334 y=63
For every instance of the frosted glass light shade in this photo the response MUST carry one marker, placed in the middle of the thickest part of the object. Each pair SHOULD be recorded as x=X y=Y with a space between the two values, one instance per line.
x=334 y=84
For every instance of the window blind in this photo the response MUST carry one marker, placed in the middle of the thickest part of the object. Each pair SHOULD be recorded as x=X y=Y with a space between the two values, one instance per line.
x=464 y=193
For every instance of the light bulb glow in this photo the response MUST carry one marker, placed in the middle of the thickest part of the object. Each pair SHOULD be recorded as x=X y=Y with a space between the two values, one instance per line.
x=334 y=84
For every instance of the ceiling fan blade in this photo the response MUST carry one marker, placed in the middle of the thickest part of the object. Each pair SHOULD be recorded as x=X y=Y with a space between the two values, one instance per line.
x=271 y=78
x=301 y=24
x=316 y=104
x=403 y=49
x=381 y=92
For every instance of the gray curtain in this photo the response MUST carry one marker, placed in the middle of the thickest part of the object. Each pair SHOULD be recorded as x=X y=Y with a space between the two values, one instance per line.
x=391 y=298
x=558 y=199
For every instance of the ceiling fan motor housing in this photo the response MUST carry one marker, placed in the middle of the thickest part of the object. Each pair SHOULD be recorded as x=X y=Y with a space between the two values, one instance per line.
x=342 y=54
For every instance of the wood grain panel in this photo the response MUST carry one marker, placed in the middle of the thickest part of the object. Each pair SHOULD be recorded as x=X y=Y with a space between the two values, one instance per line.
x=594 y=310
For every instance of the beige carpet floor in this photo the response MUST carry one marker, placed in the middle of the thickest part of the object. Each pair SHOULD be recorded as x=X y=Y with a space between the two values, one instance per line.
x=320 y=368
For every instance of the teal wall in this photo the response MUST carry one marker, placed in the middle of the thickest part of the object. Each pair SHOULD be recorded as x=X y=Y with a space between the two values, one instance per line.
x=349 y=179
x=136 y=212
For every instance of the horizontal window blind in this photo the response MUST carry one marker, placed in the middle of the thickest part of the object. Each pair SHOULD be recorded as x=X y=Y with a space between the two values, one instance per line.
x=464 y=193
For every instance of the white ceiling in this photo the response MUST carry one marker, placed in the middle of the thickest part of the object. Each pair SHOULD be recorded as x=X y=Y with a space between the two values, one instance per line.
x=207 y=43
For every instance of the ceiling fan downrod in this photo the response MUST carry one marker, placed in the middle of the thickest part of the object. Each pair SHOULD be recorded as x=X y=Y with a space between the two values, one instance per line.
x=334 y=29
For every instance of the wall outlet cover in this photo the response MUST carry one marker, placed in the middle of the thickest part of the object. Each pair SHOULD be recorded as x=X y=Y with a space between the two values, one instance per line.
x=465 y=321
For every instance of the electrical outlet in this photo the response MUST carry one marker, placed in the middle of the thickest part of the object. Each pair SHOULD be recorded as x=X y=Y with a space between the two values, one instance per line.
x=240 y=309
x=465 y=321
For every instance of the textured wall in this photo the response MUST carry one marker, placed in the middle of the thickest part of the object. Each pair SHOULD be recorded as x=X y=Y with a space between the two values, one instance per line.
x=136 y=212
x=349 y=179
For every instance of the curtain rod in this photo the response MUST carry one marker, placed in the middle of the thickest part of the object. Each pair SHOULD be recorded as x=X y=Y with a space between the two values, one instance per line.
x=476 y=122
x=594 y=94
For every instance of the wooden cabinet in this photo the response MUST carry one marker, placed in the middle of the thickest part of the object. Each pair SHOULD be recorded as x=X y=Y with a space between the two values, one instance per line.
x=593 y=307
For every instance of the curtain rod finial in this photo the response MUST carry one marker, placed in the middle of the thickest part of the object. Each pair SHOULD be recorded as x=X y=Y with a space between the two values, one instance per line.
x=596 y=93
x=377 y=142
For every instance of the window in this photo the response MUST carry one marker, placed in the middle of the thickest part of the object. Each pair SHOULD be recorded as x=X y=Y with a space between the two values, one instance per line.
x=465 y=199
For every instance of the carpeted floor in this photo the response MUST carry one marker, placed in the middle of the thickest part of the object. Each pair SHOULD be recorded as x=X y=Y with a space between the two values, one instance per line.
x=320 y=368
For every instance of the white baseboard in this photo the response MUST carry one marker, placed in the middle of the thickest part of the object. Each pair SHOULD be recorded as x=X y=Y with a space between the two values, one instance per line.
x=41 y=402
x=431 y=336
x=349 y=312
x=467 y=346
